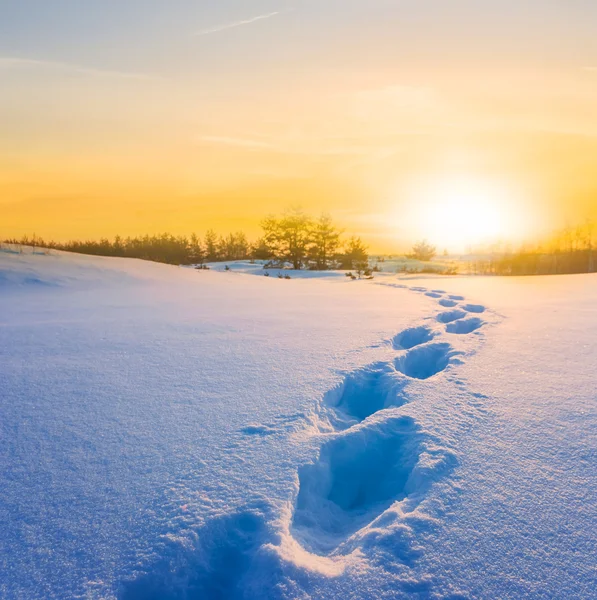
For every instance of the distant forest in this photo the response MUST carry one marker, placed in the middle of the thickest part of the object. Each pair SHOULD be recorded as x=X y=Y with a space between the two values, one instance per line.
x=293 y=239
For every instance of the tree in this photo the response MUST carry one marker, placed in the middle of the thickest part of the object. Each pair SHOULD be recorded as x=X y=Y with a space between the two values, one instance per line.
x=288 y=237
x=195 y=250
x=355 y=255
x=233 y=247
x=239 y=246
x=211 y=246
x=325 y=242
x=118 y=246
x=261 y=251
x=423 y=251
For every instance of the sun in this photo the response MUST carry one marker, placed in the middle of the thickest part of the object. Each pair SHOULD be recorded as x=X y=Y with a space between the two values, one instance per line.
x=460 y=212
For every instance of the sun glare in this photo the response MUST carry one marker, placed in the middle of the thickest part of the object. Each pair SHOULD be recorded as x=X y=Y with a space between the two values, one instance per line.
x=461 y=212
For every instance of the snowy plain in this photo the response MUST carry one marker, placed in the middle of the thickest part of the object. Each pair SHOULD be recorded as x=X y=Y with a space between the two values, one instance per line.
x=169 y=434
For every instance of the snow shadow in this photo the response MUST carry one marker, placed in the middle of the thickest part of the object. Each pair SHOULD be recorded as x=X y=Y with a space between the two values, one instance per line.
x=213 y=567
x=359 y=474
x=409 y=338
x=450 y=315
x=258 y=430
x=464 y=326
x=425 y=361
x=447 y=303
x=474 y=308
x=18 y=279
x=363 y=393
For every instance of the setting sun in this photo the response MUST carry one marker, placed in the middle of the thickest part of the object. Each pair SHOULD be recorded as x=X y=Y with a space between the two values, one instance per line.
x=458 y=212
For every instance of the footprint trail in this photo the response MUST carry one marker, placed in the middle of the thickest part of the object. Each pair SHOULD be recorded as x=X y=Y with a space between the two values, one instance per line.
x=368 y=483
x=370 y=453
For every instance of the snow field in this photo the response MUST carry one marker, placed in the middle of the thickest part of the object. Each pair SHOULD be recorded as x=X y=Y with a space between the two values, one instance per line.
x=171 y=434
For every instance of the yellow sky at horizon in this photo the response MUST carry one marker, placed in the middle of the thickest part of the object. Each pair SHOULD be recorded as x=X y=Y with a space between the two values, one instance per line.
x=99 y=151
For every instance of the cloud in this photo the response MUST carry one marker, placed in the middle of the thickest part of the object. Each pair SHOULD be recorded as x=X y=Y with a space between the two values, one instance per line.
x=235 y=24
x=248 y=143
x=291 y=145
x=11 y=62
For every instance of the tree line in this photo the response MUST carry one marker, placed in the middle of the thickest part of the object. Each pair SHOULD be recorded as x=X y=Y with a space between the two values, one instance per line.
x=296 y=240
x=293 y=239
x=573 y=250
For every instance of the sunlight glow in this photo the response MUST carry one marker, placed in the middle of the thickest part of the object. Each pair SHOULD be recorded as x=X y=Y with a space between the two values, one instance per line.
x=460 y=212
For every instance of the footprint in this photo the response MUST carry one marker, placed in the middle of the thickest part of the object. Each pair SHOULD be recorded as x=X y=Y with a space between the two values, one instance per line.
x=425 y=361
x=465 y=326
x=447 y=303
x=439 y=291
x=450 y=315
x=418 y=289
x=359 y=475
x=474 y=308
x=409 y=338
x=433 y=295
x=214 y=565
x=363 y=393
x=452 y=297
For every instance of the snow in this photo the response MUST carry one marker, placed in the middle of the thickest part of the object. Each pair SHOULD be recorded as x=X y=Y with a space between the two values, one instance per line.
x=259 y=267
x=168 y=433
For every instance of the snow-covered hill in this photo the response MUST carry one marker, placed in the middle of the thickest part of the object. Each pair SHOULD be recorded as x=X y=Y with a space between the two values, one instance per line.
x=176 y=434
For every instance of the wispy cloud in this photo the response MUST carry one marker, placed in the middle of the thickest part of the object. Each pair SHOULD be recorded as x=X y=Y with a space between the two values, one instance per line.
x=250 y=144
x=11 y=62
x=235 y=24
x=290 y=145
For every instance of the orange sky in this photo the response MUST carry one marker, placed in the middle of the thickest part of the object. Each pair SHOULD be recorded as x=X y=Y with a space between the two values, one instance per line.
x=371 y=112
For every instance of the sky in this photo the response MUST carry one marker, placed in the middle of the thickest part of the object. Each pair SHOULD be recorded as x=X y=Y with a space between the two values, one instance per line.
x=460 y=121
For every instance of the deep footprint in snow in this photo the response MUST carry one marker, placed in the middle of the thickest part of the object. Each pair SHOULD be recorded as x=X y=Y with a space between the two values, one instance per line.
x=433 y=295
x=364 y=393
x=453 y=297
x=474 y=308
x=425 y=361
x=214 y=566
x=359 y=475
x=464 y=326
x=447 y=303
x=414 y=336
x=450 y=315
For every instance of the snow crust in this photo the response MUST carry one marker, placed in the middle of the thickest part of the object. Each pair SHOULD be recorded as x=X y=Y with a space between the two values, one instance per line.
x=169 y=433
